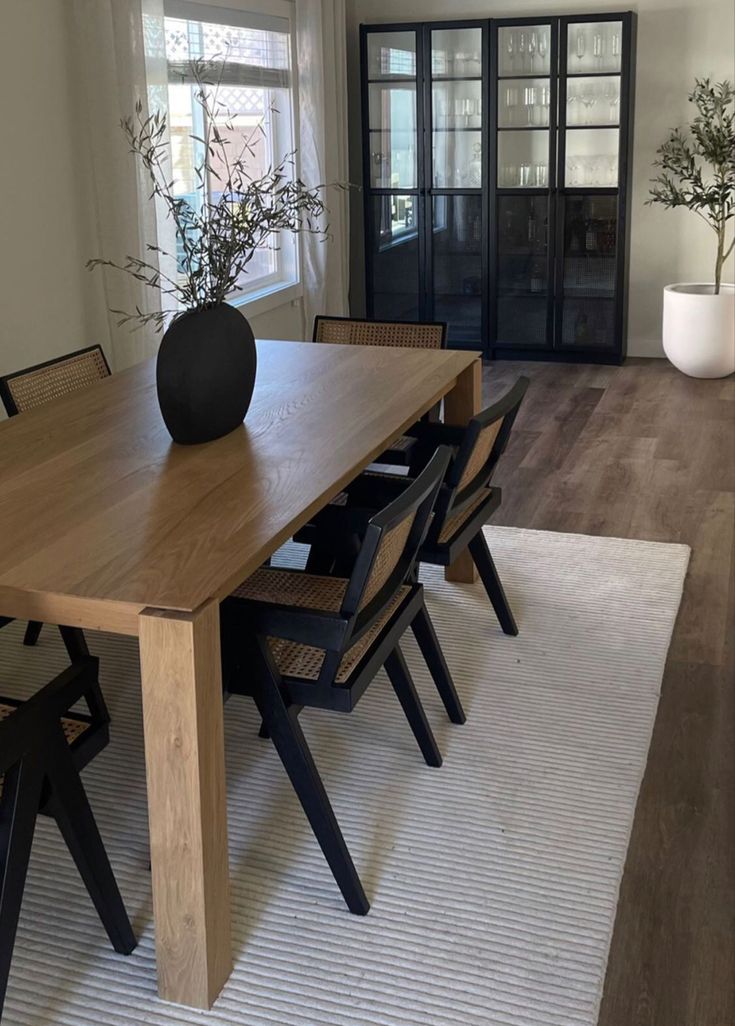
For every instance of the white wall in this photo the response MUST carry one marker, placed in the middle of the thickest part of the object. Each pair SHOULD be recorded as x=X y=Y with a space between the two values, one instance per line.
x=678 y=40
x=43 y=310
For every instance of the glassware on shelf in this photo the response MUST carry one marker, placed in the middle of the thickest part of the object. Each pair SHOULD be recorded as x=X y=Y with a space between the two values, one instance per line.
x=615 y=49
x=598 y=49
x=588 y=97
x=511 y=101
x=510 y=44
x=543 y=46
x=522 y=44
x=474 y=175
x=540 y=176
x=612 y=95
x=545 y=103
x=524 y=176
x=529 y=101
x=532 y=47
x=612 y=170
x=581 y=44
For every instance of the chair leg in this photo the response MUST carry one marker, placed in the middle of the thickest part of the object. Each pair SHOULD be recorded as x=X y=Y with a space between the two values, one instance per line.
x=70 y=808
x=75 y=642
x=403 y=686
x=18 y=811
x=428 y=642
x=486 y=567
x=265 y=733
x=293 y=750
x=33 y=629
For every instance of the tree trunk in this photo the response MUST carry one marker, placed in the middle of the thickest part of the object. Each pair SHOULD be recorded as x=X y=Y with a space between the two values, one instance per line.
x=720 y=257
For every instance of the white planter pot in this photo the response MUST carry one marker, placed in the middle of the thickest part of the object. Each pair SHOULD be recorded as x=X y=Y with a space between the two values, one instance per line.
x=699 y=329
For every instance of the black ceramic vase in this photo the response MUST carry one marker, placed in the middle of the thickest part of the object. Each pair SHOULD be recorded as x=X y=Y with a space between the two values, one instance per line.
x=206 y=374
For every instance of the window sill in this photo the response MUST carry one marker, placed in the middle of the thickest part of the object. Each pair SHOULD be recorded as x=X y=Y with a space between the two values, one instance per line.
x=256 y=303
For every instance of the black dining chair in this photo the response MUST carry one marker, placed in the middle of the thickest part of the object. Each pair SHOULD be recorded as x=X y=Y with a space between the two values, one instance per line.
x=34 y=386
x=361 y=331
x=293 y=639
x=43 y=746
x=465 y=502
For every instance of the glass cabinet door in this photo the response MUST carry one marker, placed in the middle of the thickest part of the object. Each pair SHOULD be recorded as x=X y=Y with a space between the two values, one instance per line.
x=525 y=94
x=456 y=108
x=393 y=257
x=458 y=265
x=392 y=114
x=590 y=111
x=589 y=271
x=455 y=239
x=523 y=291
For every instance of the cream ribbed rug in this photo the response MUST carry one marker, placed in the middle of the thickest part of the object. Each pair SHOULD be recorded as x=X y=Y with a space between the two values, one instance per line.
x=494 y=880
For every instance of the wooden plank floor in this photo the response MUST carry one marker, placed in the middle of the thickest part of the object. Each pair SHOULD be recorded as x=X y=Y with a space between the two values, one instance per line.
x=641 y=451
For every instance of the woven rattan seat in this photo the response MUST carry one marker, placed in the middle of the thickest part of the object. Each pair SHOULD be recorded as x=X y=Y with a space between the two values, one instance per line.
x=315 y=592
x=73 y=728
x=293 y=588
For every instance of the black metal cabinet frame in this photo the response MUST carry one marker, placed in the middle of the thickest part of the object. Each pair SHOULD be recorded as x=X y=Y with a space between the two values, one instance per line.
x=561 y=197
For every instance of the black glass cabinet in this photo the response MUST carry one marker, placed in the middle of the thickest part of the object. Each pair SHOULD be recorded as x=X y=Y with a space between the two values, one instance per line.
x=496 y=180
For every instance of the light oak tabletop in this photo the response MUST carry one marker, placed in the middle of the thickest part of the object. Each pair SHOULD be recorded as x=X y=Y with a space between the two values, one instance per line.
x=101 y=515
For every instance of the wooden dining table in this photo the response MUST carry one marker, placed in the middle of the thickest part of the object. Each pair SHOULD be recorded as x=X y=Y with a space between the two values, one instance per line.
x=108 y=525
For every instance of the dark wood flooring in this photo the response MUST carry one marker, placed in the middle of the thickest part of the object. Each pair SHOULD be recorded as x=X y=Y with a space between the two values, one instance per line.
x=641 y=451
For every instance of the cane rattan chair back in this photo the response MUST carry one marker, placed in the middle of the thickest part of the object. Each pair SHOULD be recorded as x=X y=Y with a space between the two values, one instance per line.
x=482 y=445
x=355 y=331
x=390 y=547
x=25 y=389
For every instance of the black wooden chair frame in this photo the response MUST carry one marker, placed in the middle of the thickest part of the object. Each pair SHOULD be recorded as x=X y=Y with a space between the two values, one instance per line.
x=372 y=489
x=250 y=668
x=40 y=771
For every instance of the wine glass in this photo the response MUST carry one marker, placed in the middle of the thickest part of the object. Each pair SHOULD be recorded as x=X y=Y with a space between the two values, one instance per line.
x=545 y=103
x=572 y=98
x=522 y=48
x=529 y=99
x=589 y=99
x=615 y=49
x=598 y=49
x=511 y=97
x=581 y=45
x=510 y=46
x=612 y=95
x=532 y=46
x=543 y=47
x=573 y=171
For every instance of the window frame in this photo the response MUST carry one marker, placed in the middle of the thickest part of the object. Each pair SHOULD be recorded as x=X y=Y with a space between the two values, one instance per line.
x=286 y=284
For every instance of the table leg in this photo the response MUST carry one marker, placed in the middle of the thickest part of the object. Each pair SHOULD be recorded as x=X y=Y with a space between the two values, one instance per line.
x=460 y=406
x=185 y=767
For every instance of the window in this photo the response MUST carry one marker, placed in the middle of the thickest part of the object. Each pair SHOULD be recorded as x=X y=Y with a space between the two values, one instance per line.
x=254 y=95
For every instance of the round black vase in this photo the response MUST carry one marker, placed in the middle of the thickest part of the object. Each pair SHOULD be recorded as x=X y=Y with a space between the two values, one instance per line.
x=205 y=374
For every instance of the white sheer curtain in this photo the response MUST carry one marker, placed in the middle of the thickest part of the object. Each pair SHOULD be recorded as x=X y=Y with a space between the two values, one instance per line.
x=322 y=87
x=120 y=59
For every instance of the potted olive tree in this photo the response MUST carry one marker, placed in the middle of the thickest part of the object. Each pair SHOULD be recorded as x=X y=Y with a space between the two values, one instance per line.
x=206 y=364
x=697 y=171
